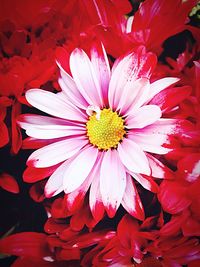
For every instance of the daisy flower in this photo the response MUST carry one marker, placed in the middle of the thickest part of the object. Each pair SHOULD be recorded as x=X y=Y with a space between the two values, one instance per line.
x=102 y=130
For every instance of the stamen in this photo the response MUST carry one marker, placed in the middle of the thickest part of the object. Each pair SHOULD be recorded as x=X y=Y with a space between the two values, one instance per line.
x=105 y=128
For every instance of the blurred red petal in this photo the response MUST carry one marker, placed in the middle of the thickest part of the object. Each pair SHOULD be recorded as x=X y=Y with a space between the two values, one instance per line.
x=8 y=183
x=173 y=197
x=26 y=244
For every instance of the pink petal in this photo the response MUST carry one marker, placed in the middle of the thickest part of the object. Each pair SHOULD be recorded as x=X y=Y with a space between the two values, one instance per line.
x=53 y=133
x=70 y=89
x=32 y=175
x=112 y=195
x=79 y=168
x=158 y=169
x=119 y=78
x=133 y=157
x=160 y=85
x=53 y=104
x=43 y=127
x=95 y=198
x=146 y=182
x=54 y=153
x=151 y=143
x=101 y=67
x=74 y=200
x=143 y=117
x=140 y=97
x=85 y=77
x=136 y=65
x=54 y=184
x=131 y=93
x=131 y=199
x=155 y=137
x=44 y=122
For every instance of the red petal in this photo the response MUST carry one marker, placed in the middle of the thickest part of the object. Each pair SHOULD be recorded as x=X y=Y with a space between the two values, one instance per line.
x=32 y=174
x=9 y=183
x=158 y=169
x=27 y=244
x=37 y=191
x=16 y=133
x=173 y=197
x=171 y=97
x=189 y=167
x=131 y=200
x=4 y=134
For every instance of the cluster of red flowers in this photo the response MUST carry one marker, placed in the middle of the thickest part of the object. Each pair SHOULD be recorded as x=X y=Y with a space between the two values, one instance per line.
x=158 y=223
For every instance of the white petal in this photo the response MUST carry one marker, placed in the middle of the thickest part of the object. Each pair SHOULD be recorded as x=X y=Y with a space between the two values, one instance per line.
x=133 y=157
x=85 y=78
x=53 y=104
x=144 y=116
x=79 y=169
x=112 y=181
x=54 y=153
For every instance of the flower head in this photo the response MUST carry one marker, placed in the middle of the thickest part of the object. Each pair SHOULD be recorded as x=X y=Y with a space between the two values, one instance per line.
x=103 y=130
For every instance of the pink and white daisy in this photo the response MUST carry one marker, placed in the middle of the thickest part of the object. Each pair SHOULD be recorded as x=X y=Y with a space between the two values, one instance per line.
x=102 y=130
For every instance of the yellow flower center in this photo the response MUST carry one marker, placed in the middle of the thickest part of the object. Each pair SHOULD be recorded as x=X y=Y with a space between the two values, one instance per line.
x=106 y=130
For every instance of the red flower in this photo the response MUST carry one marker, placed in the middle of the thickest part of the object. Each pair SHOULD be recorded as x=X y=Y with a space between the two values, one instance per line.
x=146 y=26
x=127 y=246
